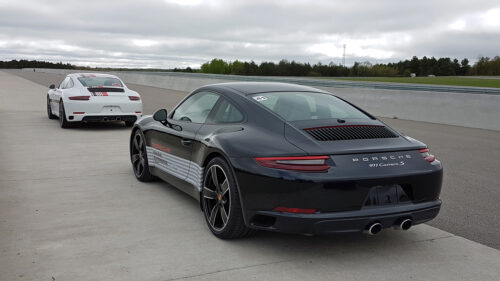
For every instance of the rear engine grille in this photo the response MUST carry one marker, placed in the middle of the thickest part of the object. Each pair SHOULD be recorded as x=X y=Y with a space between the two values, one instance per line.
x=350 y=132
x=105 y=89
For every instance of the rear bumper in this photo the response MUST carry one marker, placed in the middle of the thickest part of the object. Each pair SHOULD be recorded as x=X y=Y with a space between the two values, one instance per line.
x=344 y=222
x=112 y=110
x=344 y=200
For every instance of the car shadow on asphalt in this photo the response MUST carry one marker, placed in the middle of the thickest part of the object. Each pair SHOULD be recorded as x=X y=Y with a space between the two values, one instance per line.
x=96 y=126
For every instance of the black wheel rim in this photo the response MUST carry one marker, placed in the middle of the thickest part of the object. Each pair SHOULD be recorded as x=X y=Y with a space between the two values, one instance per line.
x=138 y=155
x=216 y=197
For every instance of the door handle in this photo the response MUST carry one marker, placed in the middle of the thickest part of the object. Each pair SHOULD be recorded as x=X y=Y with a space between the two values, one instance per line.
x=186 y=142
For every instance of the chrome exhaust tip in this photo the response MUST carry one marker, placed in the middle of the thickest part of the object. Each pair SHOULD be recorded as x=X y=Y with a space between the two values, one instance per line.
x=374 y=228
x=405 y=224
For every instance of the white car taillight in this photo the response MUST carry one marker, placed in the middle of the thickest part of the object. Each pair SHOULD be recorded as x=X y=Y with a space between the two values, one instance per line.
x=79 y=98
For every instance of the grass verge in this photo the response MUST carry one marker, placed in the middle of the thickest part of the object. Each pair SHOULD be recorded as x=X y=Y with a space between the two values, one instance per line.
x=447 y=81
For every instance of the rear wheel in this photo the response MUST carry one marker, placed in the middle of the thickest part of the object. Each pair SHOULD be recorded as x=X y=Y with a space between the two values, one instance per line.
x=139 y=157
x=49 y=110
x=221 y=203
x=62 y=116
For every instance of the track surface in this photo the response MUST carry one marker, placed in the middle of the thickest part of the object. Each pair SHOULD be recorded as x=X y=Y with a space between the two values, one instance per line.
x=71 y=209
x=471 y=158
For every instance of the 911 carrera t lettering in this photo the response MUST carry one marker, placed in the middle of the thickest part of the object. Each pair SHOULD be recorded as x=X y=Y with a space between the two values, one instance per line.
x=287 y=158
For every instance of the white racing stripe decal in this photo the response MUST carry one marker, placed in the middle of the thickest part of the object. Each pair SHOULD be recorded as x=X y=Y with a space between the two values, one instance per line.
x=176 y=166
x=195 y=175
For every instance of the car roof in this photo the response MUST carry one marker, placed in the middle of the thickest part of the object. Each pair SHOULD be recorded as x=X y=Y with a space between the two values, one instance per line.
x=248 y=88
x=88 y=74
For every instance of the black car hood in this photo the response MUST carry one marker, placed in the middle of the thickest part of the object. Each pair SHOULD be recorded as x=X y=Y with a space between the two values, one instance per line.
x=297 y=133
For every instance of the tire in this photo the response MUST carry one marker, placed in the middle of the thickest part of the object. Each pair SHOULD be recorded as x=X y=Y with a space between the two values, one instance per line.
x=139 y=157
x=49 y=110
x=62 y=116
x=129 y=123
x=220 y=198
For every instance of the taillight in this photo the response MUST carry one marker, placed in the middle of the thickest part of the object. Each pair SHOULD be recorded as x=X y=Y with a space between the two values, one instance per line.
x=134 y=98
x=295 y=210
x=79 y=98
x=427 y=156
x=299 y=163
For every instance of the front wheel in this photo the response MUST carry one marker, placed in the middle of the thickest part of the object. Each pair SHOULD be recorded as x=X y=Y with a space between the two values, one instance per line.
x=221 y=203
x=139 y=157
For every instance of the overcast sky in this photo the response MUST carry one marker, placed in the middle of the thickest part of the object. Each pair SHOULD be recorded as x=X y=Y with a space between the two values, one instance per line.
x=180 y=33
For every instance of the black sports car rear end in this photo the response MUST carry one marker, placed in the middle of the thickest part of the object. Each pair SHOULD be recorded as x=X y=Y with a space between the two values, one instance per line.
x=288 y=158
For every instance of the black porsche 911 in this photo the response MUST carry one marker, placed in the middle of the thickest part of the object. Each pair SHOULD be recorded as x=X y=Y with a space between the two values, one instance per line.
x=287 y=158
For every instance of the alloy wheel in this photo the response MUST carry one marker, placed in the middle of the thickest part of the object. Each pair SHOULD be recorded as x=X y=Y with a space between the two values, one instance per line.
x=216 y=197
x=138 y=155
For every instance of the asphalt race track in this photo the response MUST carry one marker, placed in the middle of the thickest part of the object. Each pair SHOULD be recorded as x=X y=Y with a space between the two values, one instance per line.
x=71 y=209
x=471 y=159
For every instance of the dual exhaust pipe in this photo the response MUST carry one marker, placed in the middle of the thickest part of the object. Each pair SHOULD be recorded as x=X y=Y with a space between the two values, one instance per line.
x=376 y=227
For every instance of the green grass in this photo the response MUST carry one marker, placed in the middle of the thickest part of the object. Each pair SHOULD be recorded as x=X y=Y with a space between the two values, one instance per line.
x=448 y=81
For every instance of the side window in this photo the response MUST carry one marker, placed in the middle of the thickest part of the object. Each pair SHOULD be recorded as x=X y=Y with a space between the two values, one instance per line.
x=227 y=113
x=69 y=84
x=63 y=83
x=196 y=108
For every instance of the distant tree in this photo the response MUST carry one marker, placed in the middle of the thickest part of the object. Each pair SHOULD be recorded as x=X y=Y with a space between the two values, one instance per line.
x=486 y=66
x=238 y=68
x=464 y=67
x=415 y=65
x=268 y=69
x=216 y=66
x=456 y=67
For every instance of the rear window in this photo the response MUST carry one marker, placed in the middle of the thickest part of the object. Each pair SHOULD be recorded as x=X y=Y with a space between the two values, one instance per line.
x=90 y=81
x=297 y=106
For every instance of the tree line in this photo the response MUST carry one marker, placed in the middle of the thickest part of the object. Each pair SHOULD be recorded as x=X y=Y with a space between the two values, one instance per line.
x=419 y=66
x=34 y=64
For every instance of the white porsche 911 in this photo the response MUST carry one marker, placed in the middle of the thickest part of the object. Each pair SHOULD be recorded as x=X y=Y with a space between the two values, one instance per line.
x=89 y=97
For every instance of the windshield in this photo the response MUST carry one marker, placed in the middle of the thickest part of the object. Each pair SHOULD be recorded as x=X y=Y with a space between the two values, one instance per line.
x=95 y=81
x=297 y=106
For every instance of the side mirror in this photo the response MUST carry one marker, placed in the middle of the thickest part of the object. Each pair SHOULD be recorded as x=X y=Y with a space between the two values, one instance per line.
x=161 y=116
x=52 y=86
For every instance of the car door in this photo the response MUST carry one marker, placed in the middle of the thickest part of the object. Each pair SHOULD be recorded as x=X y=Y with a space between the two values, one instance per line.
x=170 y=146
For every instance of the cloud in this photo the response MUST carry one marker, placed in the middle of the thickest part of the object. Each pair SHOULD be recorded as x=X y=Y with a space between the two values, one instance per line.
x=180 y=33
